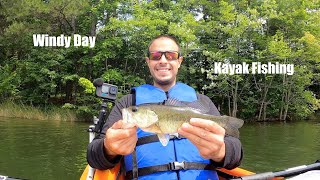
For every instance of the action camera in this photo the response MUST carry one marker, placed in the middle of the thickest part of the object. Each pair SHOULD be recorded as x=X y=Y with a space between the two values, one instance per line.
x=107 y=91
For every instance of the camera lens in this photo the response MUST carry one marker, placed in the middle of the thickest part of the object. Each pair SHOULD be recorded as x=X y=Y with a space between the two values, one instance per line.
x=113 y=90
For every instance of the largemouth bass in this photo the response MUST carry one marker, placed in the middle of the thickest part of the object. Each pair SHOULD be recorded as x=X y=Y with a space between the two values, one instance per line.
x=165 y=120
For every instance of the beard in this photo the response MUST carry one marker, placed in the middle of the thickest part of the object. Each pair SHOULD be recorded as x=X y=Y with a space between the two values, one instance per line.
x=164 y=82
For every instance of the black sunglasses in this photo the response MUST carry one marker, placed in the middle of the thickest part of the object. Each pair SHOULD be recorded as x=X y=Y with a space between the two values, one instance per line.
x=170 y=55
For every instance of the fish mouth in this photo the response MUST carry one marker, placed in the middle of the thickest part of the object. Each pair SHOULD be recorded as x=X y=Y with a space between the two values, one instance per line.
x=125 y=115
x=127 y=119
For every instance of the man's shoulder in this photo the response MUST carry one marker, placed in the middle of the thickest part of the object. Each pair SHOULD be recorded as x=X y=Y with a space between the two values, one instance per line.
x=125 y=98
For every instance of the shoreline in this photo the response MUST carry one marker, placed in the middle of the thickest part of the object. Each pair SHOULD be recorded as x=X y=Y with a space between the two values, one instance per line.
x=13 y=110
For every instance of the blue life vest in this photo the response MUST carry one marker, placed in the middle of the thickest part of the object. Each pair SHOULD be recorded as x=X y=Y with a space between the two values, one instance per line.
x=177 y=151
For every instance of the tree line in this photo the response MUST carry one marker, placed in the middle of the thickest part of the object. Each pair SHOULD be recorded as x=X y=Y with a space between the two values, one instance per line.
x=209 y=31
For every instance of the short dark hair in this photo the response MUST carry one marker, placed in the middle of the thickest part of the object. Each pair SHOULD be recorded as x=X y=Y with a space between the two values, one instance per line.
x=172 y=37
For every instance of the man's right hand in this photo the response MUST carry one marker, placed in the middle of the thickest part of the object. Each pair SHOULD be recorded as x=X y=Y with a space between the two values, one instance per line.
x=120 y=141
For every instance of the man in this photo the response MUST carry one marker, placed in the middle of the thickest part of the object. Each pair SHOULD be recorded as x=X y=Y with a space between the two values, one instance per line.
x=200 y=147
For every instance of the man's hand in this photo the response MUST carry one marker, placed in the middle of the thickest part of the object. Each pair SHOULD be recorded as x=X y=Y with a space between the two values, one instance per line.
x=207 y=136
x=119 y=140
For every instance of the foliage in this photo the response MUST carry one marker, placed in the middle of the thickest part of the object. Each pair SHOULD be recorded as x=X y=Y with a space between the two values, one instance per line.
x=224 y=31
x=88 y=85
x=125 y=80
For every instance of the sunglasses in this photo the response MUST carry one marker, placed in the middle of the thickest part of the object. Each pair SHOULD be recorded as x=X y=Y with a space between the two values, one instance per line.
x=170 y=55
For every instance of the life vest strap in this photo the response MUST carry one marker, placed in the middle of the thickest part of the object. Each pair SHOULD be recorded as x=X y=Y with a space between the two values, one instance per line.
x=154 y=138
x=134 y=164
x=172 y=166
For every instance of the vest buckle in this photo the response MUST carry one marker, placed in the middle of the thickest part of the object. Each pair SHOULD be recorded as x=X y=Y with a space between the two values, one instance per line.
x=173 y=166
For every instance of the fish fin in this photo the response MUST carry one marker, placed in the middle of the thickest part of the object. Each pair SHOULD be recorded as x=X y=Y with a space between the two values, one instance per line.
x=174 y=102
x=196 y=106
x=232 y=126
x=199 y=107
x=164 y=139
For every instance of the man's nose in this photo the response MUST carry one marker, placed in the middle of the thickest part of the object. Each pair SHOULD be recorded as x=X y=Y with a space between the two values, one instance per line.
x=163 y=59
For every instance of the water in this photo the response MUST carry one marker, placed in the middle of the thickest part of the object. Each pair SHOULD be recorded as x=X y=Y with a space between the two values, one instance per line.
x=33 y=149
x=278 y=146
x=50 y=150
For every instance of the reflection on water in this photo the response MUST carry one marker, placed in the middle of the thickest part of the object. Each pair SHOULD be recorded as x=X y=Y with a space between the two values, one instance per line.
x=50 y=150
x=34 y=149
x=278 y=146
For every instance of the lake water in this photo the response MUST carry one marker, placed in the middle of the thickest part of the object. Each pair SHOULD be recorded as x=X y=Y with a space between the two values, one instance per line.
x=33 y=149
x=277 y=146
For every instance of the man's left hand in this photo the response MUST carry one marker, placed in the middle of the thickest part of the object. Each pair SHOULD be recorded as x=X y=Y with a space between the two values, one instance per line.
x=207 y=136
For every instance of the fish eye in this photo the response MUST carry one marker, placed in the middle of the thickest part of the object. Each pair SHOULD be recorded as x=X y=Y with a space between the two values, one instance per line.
x=134 y=109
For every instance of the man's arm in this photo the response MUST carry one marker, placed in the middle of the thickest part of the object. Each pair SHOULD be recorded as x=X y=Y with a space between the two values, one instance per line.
x=234 y=153
x=96 y=154
x=232 y=146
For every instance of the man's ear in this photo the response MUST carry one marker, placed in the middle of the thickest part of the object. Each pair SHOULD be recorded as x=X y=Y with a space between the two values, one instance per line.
x=180 y=60
x=147 y=60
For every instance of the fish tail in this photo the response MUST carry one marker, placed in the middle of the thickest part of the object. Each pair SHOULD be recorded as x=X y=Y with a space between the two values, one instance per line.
x=232 y=126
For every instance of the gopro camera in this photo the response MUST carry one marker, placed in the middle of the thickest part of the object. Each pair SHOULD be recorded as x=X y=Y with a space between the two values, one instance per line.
x=107 y=91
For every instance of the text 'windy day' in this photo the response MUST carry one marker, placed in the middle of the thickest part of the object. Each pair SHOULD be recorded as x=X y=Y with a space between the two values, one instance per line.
x=44 y=40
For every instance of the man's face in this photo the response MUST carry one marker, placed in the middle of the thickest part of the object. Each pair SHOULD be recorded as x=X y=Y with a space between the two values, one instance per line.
x=164 y=71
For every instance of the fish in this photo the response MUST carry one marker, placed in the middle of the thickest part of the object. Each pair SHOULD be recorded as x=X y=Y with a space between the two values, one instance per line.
x=167 y=119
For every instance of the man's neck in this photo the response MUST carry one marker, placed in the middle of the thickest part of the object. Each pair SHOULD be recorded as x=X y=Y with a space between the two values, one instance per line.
x=164 y=87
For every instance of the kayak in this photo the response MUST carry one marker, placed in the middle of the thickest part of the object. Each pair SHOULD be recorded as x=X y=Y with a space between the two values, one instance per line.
x=303 y=172
x=111 y=174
